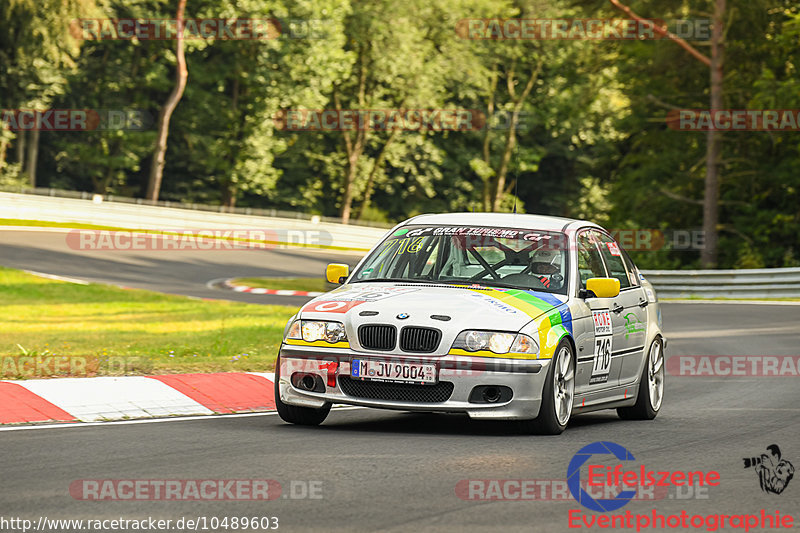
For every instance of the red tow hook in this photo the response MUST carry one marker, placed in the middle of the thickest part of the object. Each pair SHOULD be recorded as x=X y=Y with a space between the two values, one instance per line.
x=332 y=369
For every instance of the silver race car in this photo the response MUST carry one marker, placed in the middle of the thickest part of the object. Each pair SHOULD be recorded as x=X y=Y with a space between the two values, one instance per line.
x=500 y=316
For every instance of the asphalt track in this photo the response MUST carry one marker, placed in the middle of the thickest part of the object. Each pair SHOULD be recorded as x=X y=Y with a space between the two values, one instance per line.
x=389 y=471
x=185 y=272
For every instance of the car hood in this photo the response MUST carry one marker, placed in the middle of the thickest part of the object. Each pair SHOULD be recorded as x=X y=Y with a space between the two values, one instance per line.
x=449 y=308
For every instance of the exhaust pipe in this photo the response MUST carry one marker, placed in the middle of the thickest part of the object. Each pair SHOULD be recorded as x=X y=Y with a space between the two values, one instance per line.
x=308 y=382
x=491 y=394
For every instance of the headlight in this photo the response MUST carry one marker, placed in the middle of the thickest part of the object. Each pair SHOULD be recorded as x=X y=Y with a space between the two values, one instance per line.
x=497 y=342
x=524 y=344
x=315 y=330
x=294 y=331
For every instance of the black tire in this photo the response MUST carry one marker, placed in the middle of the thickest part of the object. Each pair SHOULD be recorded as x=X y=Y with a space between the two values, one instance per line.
x=547 y=422
x=303 y=416
x=643 y=408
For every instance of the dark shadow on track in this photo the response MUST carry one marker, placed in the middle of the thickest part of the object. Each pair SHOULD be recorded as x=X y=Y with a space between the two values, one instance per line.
x=408 y=423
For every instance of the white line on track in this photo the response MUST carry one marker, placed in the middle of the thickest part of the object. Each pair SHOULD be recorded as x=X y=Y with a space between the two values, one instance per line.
x=153 y=420
x=44 y=229
x=792 y=409
x=730 y=302
x=739 y=332
x=57 y=278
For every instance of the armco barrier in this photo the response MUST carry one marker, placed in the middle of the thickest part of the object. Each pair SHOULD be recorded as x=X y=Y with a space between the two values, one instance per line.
x=744 y=284
x=133 y=216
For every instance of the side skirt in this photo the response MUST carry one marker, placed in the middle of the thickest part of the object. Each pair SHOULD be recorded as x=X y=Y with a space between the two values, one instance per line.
x=623 y=396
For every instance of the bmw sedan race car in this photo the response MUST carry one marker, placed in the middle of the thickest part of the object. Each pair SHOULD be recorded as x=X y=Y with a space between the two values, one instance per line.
x=499 y=316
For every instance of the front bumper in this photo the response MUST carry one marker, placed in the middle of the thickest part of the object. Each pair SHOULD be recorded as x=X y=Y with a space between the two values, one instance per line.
x=525 y=378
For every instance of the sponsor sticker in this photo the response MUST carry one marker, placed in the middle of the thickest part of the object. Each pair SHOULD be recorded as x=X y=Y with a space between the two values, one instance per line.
x=613 y=248
x=493 y=302
x=343 y=301
x=602 y=322
x=602 y=346
x=326 y=306
x=602 y=360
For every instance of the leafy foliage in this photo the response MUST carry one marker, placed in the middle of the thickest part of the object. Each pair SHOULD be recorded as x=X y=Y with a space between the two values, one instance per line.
x=590 y=141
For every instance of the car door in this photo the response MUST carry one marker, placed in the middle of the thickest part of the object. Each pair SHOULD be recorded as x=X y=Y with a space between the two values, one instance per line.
x=628 y=310
x=597 y=370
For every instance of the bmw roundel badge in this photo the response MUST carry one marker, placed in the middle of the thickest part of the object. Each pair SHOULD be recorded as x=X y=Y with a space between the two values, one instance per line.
x=402 y=316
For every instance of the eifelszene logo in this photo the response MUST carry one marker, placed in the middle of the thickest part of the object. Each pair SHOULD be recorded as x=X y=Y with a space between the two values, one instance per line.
x=574 y=477
x=612 y=479
x=774 y=473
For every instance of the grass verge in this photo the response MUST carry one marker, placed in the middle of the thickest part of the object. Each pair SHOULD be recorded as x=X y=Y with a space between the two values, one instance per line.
x=149 y=332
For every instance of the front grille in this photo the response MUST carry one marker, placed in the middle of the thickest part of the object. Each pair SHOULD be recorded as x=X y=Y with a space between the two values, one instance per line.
x=419 y=340
x=377 y=336
x=396 y=392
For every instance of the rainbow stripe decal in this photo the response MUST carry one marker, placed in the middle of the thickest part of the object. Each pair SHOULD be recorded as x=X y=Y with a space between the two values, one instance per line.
x=556 y=322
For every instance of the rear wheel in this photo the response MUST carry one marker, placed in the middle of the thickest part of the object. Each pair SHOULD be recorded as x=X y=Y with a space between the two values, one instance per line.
x=557 y=395
x=294 y=414
x=651 y=386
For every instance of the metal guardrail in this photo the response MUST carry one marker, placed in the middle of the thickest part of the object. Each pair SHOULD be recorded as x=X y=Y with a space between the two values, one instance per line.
x=251 y=211
x=314 y=232
x=741 y=284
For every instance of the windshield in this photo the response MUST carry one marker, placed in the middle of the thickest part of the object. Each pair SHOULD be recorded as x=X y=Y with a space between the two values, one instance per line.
x=492 y=256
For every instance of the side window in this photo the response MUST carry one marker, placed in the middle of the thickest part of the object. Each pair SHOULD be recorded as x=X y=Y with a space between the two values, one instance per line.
x=612 y=254
x=631 y=269
x=590 y=265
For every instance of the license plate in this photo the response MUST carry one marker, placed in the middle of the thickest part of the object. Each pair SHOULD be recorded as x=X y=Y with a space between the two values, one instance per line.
x=392 y=371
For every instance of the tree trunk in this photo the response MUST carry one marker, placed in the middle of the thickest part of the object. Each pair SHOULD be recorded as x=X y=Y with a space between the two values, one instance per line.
x=487 y=141
x=708 y=256
x=347 y=199
x=499 y=182
x=157 y=164
x=20 y=146
x=229 y=197
x=354 y=148
x=33 y=156
x=229 y=193
x=3 y=148
x=376 y=165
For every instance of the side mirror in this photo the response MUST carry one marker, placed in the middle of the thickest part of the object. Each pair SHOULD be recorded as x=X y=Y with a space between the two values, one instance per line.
x=338 y=272
x=603 y=287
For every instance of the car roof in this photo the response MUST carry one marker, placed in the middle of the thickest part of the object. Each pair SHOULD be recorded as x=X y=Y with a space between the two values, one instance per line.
x=501 y=220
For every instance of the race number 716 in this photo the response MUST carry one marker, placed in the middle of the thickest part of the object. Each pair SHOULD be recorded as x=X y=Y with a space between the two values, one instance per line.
x=602 y=358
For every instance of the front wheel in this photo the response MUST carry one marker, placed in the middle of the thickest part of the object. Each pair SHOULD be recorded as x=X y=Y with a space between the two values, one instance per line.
x=294 y=414
x=557 y=395
x=651 y=386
